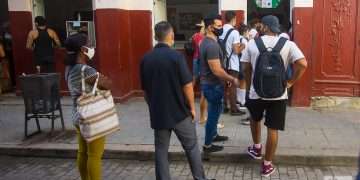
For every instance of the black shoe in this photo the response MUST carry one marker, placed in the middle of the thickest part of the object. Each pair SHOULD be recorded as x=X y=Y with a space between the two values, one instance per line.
x=220 y=138
x=213 y=148
x=226 y=110
x=237 y=113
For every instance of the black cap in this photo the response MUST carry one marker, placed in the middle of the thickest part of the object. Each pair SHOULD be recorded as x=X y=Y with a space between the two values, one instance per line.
x=272 y=22
x=75 y=42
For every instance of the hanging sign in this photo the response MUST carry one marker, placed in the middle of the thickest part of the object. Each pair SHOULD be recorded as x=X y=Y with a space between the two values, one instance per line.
x=267 y=3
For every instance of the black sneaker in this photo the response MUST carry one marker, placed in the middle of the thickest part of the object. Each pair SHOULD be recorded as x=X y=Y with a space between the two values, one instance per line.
x=219 y=138
x=226 y=110
x=237 y=113
x=213 y=148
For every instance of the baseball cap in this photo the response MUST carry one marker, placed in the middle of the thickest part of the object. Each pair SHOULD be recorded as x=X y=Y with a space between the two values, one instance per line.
x=272 y=22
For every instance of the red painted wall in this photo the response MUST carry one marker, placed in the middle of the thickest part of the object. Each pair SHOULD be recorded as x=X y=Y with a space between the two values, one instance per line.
x=21 y=24
x=303 y=27
x=240 y=16
x=122 y=38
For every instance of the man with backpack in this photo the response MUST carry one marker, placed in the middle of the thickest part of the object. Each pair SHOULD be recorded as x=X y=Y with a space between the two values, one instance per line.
x=232 y=47
x=265 y=61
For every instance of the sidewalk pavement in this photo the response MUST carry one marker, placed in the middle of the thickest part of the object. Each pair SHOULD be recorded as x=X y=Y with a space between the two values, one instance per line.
x=310 y=138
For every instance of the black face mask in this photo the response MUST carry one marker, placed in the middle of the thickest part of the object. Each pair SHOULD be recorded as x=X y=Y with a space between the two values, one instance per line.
x=218 y=32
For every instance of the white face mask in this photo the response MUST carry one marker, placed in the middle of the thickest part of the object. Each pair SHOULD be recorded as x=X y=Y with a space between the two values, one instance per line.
x=90 y=52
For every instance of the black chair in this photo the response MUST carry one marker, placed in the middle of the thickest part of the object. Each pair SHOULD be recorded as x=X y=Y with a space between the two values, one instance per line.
x=41 y=93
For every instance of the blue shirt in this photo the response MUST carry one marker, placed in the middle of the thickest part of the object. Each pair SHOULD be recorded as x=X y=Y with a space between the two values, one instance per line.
x=163 y=73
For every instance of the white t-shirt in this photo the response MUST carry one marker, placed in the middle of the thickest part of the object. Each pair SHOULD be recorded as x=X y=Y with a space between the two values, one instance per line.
x=234 y=38
x=244 y=41
x=290 y=53
x=285 y=35
x=253 y=33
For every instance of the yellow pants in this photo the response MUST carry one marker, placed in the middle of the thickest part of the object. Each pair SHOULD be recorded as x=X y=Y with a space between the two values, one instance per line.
x=89 y=157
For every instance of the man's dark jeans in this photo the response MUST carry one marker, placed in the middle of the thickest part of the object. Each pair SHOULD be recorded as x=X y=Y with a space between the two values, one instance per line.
x=214 y=95
x=186 y=133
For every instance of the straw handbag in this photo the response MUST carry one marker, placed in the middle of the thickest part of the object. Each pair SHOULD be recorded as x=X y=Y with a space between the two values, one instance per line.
x=97 y=111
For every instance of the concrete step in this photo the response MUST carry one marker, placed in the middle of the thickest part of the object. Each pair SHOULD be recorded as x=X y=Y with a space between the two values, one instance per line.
x=146 y=153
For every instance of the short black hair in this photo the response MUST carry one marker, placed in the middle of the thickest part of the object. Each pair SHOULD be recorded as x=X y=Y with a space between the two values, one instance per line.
x=229 y=16
x=210 y=19
x=243 y=28
x=40 y=20
x=73 y=45
x=255 y=21
x=161 y=30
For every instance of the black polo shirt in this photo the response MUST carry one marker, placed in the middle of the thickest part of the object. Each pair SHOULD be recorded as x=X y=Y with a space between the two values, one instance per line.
x=163 y=73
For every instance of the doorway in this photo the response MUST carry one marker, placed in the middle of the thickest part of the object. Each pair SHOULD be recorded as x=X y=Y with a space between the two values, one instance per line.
x=279 y=8
x=183 y=16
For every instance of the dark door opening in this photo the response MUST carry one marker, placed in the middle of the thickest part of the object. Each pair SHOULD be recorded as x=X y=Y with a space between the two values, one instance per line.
x=281 y=9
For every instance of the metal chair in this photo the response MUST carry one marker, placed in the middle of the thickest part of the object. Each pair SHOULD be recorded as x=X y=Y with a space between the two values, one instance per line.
x=41 y=93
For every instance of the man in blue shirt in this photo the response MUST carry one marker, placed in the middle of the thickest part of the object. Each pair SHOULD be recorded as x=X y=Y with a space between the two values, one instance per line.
x=167 y=83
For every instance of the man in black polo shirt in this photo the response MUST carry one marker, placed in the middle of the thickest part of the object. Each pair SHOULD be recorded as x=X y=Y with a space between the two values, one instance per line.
x=167 y=83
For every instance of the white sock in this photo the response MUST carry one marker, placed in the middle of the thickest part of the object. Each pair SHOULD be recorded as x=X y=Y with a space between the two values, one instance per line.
x=266 y=163
x=257 y=146
x=241 y=95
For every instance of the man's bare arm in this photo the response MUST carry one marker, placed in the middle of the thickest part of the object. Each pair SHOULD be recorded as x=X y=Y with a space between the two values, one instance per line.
x=215 y=67
x=55 y=37
x=30 y=40
x=247 y=69
x=2 y=51
x=299 y=70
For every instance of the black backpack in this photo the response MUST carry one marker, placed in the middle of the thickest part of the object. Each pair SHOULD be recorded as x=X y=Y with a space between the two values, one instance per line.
x=270 y=73
x=222 y=43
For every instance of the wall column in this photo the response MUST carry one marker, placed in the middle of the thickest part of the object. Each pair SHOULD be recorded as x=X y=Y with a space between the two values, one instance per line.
x=123 y=36
x=239 y=6
x=20 y=17
x=302 y=18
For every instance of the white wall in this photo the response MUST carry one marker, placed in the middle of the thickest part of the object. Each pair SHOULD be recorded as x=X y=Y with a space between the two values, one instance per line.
x=20 y=5
x=159 y=12
x=300 y=3
x=124 y=4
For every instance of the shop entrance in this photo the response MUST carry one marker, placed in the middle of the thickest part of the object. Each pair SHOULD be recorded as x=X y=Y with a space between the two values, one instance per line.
x=69 y=16
x=280 y=8
x=183 y=15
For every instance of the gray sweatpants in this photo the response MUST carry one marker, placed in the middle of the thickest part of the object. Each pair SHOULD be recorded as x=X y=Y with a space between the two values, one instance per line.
x=186 y=133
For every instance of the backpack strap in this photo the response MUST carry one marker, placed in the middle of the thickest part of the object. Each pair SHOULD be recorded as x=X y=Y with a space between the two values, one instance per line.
x=232 y=51
x=260 y=44
x=280 y=44
x=228 y=34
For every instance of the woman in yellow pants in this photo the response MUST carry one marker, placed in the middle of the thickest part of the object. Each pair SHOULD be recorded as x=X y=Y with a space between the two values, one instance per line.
x=89 y=157
x=79 y=53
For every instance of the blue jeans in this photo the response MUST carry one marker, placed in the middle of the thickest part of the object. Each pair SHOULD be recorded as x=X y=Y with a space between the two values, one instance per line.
x=196 y=68
x=214 y=95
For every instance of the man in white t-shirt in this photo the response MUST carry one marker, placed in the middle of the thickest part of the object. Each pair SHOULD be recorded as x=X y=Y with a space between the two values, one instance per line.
x=255 y=27
x=274 y=109
x=232 y=61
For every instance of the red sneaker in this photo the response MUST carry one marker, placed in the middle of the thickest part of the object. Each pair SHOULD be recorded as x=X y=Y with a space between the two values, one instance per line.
x=266 y=171
x=254 y=152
